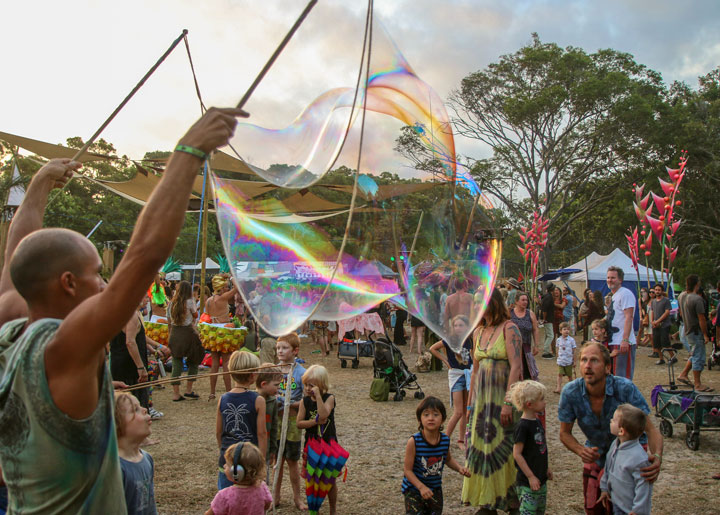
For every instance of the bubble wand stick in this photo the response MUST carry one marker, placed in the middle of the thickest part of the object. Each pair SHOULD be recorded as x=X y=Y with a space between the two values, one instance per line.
x=276 y=54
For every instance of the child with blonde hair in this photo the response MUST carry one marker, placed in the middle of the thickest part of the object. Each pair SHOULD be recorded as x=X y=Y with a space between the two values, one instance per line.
x=316 y=415
x=287 y=348
x=530 y=449
x=249 y=495
x=132 y=425
x=241 y=411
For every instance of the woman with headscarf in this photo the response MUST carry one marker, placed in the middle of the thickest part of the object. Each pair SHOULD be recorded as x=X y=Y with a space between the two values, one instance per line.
x=497 y=365
x=218 y=307
x=184 y=341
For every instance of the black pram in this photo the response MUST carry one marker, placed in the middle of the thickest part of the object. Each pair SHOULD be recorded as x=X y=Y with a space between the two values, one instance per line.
x=389 y=364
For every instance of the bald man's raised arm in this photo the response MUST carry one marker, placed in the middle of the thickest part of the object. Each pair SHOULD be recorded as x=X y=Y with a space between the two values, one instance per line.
x=85 y=331
x=28 y=218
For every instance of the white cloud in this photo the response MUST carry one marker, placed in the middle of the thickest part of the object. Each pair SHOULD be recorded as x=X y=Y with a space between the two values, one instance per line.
x=68 y=64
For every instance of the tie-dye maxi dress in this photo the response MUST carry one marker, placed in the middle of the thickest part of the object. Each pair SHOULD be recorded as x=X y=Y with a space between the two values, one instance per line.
x=489 y=455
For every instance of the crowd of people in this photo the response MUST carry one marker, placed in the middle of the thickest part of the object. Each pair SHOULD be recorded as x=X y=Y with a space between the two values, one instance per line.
x=62 y=404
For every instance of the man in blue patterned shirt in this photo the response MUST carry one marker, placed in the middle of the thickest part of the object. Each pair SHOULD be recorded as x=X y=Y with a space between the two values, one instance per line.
x=591 y=400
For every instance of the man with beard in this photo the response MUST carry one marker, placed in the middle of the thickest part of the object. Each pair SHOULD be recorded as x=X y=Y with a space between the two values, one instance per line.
x=591 y=400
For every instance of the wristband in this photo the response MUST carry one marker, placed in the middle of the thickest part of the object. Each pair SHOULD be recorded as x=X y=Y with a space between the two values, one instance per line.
x=658 y=456
x=192 y=151
x=506 y=403
x=141 y=368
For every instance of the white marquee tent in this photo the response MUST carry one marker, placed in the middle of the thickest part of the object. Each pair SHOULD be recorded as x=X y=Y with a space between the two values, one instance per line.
x=594 y=272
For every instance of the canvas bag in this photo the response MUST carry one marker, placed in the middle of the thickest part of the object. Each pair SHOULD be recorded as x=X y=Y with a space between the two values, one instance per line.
x=380 y=389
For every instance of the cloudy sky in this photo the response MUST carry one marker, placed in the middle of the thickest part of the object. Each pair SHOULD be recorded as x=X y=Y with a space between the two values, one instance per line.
x=68 y=64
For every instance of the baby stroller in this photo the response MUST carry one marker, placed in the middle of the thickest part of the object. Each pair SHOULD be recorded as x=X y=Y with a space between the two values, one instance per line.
x=388 y=363
x=714 y=357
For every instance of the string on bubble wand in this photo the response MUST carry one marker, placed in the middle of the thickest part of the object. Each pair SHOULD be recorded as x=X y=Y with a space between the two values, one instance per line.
x=364 y=62
x=158 y=382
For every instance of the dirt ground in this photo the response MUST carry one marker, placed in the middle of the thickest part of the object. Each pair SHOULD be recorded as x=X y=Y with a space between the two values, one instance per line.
x=375 y=435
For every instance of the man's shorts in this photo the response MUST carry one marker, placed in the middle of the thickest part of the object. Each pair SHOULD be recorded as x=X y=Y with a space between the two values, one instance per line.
x=291 y=451
x=661 y=337
x=566 y=370
x=697 y=351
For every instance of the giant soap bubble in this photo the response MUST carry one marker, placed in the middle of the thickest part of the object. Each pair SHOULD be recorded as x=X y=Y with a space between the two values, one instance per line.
x=328 y=241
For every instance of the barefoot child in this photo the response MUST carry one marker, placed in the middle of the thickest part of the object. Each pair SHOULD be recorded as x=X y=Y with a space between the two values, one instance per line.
x=316 y=415
x=426 y=453
x=132 y=423
x=244 y=469
x=287 y=348
x=530 y=449
x=241 y=412
x=267 y=384
x=565 y=354
x=622 y=484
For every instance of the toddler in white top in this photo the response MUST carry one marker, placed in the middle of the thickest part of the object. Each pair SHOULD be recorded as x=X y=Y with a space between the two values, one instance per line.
x=565 y=346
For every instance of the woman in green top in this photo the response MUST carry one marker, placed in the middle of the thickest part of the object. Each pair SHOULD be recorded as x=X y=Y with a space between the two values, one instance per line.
x=497 y=365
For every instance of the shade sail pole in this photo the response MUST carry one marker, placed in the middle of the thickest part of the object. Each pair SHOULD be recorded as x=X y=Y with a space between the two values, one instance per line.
x=130 y=95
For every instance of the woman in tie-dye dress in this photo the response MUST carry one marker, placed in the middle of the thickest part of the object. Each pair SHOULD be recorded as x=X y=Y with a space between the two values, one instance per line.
x=497 y=365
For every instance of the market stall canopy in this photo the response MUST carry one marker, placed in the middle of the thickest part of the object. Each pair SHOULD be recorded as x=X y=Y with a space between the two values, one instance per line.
x=595 y=275
x=209 y=265
x=597 y=266
x=562 y=273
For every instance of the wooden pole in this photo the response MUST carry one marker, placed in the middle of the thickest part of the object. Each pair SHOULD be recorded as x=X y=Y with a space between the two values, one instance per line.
x=276 y=53
x=203 y=249
x=283 y=428
x=129 y=96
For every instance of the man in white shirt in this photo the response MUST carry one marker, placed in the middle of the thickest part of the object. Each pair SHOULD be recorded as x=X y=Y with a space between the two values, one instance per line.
x=620 y=320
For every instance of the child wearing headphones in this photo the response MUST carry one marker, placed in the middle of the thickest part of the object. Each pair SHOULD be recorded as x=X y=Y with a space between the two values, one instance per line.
x=316 y=415
x=240 y=412
x=132 y=425
x=244 y=468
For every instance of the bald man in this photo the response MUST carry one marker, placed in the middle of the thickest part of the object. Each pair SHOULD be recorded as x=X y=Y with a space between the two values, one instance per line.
x=57 y=437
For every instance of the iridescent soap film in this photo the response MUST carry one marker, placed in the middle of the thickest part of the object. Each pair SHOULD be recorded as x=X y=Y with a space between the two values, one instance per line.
x=326 y=241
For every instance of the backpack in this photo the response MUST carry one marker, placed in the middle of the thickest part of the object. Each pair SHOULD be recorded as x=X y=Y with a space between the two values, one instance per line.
x=380 y=389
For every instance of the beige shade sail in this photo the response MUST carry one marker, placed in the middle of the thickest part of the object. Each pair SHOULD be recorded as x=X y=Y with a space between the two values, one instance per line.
x=50 y=151
x=139 y=188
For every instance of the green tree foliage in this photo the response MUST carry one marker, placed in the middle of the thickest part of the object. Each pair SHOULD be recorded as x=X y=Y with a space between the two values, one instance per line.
x=563 y=125
x=695 y=127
